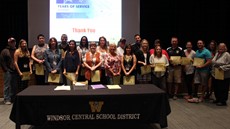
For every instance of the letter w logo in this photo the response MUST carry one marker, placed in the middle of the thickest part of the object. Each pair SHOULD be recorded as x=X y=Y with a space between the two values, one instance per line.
x=96 y=106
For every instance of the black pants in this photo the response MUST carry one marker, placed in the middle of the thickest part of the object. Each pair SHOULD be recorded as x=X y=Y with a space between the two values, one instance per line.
x=103 y=77
x=189 y=82
x=221 y=89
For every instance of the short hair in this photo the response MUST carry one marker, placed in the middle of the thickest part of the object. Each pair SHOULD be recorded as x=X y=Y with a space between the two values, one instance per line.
x=64 y=35
x=40 y=35
x=92 y=43
x=137 y=35
x=122 y=40
x=11 y=39
x=225 y=46
x=157 y=41
x=112 y=45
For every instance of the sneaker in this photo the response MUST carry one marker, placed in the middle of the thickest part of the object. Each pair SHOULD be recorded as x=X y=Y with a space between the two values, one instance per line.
x=201 y=99
x=193 y=100
x=188 y=97
x=221 y=104
x=215 y=101
x=174 y=97
x=7 y=102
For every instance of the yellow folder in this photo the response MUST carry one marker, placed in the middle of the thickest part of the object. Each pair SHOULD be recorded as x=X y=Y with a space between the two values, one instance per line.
x=129 y=80
x=25 y=76
x=175 y=60
x=53 y=78
x=219 y=74
x=95 y=76
x=71 y=76
x=198 y=61
x=159 y=67
x=185 y=61
x=39 y=69
x=145 y=69
x=116 y=80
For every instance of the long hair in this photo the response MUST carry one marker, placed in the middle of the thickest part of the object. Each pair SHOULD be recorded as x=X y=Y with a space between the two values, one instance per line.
x=102 y=37
x=50 y=40
x=23 y=52
x=155 y=51
x=81 y=42
x=128 y=46
x=215 y=49
x=75 y=44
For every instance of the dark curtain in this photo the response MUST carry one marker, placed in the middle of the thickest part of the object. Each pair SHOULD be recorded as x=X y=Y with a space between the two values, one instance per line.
x=189 y=20
x=13 y=21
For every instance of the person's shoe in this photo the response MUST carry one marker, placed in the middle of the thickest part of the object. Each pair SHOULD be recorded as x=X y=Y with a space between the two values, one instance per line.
x=207 y=96
x=221 y=104
x=193 y=100
x=174 y=97
x=7 y=102
x=188 y=97
x=215 y=101
x=201 y=99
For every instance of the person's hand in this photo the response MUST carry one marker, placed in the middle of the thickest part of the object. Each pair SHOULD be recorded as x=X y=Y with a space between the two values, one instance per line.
x=216 y=65
x=152 y=65
x=76 y=73
x=93 y=68
x=21 y=74
x=220 y=68
x=199 y=67
x=114 y=74
x=54 y=71
x=41 y=61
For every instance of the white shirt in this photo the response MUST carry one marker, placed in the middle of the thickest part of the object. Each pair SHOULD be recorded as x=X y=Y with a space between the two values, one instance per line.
x=120 y=51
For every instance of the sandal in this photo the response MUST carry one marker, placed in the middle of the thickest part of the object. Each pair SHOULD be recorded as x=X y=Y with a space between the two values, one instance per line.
x=193 y=100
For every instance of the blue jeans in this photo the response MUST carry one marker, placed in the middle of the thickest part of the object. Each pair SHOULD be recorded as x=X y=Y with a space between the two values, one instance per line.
x=10 y=85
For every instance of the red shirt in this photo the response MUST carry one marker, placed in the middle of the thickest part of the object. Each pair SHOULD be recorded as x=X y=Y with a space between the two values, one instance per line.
x=163 y=52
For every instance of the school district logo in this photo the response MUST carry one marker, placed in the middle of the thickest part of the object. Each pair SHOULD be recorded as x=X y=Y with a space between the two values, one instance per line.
x=96 y=106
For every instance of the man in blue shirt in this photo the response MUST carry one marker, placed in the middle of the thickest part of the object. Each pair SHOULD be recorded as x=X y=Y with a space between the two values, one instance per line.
x=202 y=71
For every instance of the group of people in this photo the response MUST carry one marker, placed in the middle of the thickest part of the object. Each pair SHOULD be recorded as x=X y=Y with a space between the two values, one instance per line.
x=111 y=61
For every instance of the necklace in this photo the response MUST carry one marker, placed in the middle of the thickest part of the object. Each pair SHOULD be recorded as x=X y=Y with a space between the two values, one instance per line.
x=128 y=58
